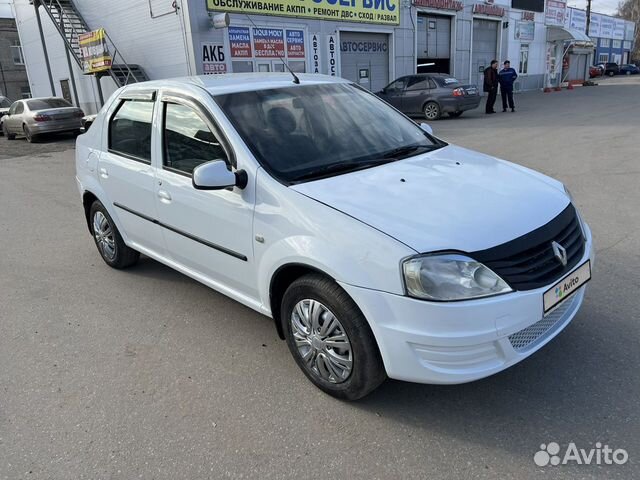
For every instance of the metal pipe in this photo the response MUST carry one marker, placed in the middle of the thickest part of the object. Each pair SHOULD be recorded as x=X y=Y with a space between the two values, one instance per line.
x=36 y=5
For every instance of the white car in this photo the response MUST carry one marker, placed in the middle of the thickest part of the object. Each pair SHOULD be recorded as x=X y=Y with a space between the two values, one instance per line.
x=378 y=249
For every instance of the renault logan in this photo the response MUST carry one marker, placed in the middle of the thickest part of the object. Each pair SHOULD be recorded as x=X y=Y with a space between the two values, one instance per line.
x=378 y=249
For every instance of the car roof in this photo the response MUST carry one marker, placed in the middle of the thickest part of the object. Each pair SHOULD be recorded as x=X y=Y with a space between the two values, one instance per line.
x=220 y=84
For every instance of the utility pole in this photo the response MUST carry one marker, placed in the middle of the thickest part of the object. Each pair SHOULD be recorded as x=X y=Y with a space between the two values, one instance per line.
x=4 y=81
x=588 y=16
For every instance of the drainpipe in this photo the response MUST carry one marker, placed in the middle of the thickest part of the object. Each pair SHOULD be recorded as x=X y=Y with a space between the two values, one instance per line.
x=36 y=5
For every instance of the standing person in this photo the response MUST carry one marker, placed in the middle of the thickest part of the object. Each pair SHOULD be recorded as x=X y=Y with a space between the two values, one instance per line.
x=506 y=77
x=491 y=86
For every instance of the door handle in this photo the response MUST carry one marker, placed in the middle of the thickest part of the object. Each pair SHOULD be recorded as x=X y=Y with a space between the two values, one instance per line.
x=104 y=173
x=165 y=196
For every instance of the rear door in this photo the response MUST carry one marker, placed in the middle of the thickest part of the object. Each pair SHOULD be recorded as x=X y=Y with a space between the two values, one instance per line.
x=125 y=170
x=416 y=94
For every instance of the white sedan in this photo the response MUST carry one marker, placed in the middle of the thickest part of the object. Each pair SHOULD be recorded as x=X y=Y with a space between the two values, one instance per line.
x=378 y=249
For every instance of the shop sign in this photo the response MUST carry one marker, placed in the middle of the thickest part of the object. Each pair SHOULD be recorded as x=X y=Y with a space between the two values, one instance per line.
x=554 y=12
x=442 y=4
x=618 y=31
x=606 y=27
x=577 y=19
x=213 y=58
x=268 y=42
x=594 y=25
x=315 y=53
x=295 y=44
x=525 y=30
x=386 y=12
x=240 y=42
x=528 y=16
x=332 y=55
x=95 y=54
x=484 y=9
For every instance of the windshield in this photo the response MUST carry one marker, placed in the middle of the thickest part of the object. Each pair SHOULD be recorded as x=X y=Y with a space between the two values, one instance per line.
x=44 y=103
x=314 y=131
x=5 y=102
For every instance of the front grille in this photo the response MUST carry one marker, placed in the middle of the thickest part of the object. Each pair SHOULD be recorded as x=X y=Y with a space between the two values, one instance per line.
x=528 y=262
x=530 y=336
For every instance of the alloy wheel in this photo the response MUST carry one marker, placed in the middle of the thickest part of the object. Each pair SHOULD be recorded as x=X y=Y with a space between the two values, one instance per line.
x=321 y=341
x=103 y=233
x=431 y=111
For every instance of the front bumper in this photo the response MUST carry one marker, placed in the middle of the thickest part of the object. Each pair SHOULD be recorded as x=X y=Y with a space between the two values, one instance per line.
x=458 y=342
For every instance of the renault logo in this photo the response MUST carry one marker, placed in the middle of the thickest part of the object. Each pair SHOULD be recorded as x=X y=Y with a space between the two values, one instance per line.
x=559 y=252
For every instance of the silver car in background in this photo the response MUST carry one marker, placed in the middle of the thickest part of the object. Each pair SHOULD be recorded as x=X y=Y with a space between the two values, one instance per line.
x=5 y=104
x=33 y=117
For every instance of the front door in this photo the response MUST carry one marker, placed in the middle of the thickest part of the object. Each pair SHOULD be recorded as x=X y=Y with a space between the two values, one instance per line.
x=208 y=232
x=393 y=92
x=418 y=89
x=126 y=174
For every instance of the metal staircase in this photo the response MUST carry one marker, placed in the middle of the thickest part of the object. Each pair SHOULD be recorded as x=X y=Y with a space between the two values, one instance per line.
x=70 y=25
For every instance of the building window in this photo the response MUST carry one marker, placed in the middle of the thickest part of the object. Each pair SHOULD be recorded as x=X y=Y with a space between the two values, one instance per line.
x=603 y=58
x=617 y=44
x=627 y=45
x=605 y=42
x=16 y=53
x=25 y=92
x=524 y=59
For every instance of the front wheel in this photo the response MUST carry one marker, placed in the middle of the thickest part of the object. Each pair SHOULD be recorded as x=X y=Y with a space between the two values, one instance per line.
x=330 y=339
x=10 y=136
x=112 y=248
x=432 y=111
x=455 y=114
x=611 y=74
x=628 y=72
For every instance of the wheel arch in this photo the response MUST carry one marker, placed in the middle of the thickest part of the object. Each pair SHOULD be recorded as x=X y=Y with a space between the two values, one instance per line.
x=87 y=200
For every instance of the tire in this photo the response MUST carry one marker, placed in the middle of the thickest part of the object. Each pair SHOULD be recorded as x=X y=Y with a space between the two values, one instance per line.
x=108 y=240
x=28 y=135
x=431 y=111
x=348 y=371
x=455 y=114
x=611 y=74
x=10 y=136
x=628 y=72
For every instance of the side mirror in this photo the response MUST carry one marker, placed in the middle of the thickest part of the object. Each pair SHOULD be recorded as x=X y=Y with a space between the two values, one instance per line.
x=215 y=175
x=427 y=128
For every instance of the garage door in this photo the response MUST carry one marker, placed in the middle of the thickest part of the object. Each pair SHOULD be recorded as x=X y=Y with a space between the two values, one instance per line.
x=485 y=44
x=364 y=58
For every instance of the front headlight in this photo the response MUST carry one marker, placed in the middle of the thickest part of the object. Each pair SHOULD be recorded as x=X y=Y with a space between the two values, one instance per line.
x=449 y=277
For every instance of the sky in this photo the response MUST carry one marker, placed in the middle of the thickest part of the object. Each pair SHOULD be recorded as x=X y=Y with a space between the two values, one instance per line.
x=609 y=7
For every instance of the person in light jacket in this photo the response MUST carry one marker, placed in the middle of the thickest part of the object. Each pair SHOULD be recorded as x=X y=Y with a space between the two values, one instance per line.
x=506 y=77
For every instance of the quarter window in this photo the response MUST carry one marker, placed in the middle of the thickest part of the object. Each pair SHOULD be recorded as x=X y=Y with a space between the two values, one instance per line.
x=188 y=140
x=130 y=130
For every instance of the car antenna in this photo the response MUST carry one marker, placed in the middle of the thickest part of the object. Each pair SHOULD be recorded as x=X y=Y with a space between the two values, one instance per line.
x=296 y=80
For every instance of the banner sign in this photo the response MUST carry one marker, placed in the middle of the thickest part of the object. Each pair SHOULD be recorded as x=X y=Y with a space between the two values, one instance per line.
x=240 y=42
x=295 y=44
x=315 y=51
x=332 y=55
x=578 y=19
x=618 y=30
x=525 y=30
x=213 y=58
x=485 y=9
x=594 y=26
x=456 y=5
x=606 y=26
x=268 y=42
x=386 y=12
x=554 y=13
x=95 y=54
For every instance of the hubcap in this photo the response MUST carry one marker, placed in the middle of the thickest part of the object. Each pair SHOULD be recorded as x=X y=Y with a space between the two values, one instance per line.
x=431 y=111
x=321 y=341
x=103 y=234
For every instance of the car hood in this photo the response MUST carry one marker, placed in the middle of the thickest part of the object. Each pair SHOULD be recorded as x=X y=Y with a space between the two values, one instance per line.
x=448 y=199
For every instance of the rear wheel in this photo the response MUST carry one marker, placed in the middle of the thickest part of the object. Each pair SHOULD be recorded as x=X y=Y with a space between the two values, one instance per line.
x=432 y=111
x=330 y=339
x=28 y=135
x=10 y=136
x=611 y=74
x=455 y=114
x=628 y=72
x=112 y=248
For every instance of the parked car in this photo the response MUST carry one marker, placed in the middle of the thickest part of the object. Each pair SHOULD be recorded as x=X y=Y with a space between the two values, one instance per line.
x=611 y=69
x=5 y=104
x=87 y=120
x=596 y=71
x=378 y=249
x=431 y=95
x=36 y=116
x=629 y=69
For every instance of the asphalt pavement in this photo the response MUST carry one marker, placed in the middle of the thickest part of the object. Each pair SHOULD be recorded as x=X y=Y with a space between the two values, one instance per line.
x=145 y=373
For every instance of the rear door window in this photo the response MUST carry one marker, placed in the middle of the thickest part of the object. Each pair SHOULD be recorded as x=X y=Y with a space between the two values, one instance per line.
x=130 y=130
x=418 y=83
x=19 y=108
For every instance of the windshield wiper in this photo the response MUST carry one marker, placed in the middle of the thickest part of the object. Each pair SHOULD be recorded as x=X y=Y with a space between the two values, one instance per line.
x=405 y=151
x=341 y=167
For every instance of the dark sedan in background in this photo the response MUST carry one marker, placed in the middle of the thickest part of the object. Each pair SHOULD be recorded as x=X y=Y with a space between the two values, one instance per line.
x=629 y=69
x=431 y=95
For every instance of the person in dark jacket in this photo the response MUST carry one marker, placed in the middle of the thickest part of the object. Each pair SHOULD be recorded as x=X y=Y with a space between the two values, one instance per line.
x=506 y=77
x=491 y=86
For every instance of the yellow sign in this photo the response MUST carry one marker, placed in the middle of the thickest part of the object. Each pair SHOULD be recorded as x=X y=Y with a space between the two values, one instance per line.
x=95 y=54
x=385 y=12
